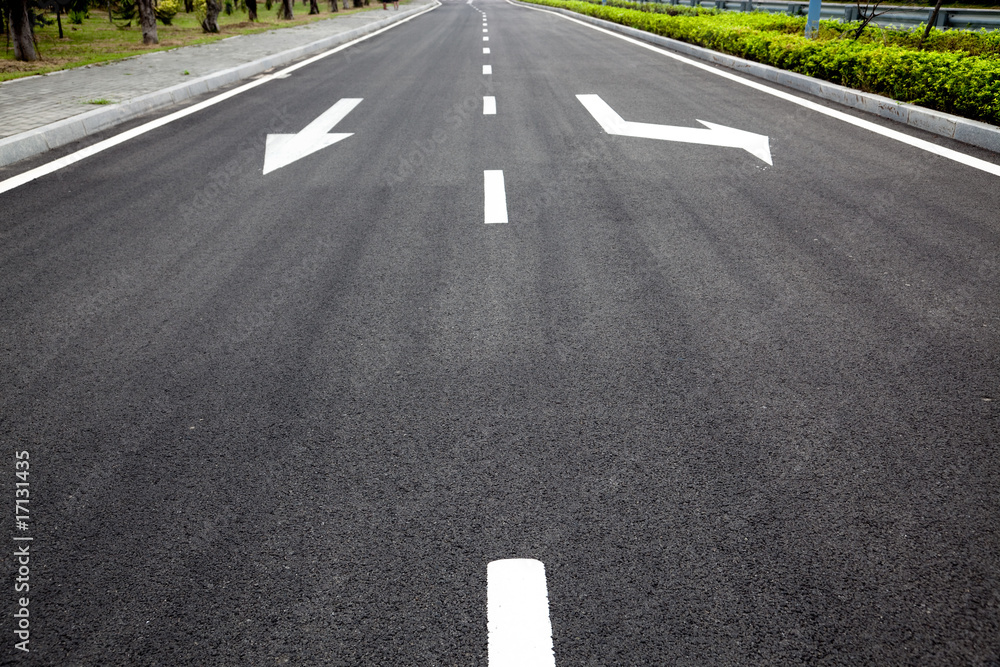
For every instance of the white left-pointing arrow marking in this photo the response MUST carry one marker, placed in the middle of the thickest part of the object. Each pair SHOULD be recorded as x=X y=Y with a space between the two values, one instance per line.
x=715 y=135
x=284 y=149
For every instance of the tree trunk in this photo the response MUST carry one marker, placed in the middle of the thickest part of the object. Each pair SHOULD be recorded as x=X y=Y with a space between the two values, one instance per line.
x=21 y=32
x=211 y=22
x=252 y=10
x=313 y=7
x=188 y=6
x=59 y=20
x=334 y=7
x=930 y=22
x=147 y=20
x=358 y=4
x=286 y=13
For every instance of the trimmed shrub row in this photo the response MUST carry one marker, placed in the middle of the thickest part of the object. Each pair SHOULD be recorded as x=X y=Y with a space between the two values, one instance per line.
x=952 y=82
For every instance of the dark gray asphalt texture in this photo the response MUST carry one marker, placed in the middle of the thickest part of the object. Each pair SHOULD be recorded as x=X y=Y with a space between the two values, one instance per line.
x=745 y=415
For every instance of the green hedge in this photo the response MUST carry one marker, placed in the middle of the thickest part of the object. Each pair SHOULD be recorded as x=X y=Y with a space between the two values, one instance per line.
x=952 y=82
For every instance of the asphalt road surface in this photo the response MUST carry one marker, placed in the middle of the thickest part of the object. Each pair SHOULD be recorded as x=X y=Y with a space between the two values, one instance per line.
x=744 y=413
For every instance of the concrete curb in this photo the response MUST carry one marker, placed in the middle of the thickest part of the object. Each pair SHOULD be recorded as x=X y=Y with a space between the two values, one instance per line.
x=34 y=142
x=961 y=129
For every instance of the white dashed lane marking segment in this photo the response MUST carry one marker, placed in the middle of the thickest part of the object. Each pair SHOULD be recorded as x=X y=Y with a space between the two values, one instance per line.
x=487 y=69
x=486 y=50
x=486 y=39
x=489 y=106
x=485 y=30
x=520 y=633
x=495 y=208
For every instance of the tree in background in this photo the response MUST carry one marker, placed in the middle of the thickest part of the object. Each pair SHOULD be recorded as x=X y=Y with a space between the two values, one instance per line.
x=285 y=12
x=252 y=10
x=22 y=35
x=931 y=22
x=313 y=7
x=211 y=21
x=866 y=15
x=147 y=20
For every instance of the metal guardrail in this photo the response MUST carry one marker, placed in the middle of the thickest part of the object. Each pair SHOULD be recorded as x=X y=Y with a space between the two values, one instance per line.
x=895 y=16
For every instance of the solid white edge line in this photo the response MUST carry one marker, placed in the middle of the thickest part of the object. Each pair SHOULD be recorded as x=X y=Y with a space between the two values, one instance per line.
x=494 y=197
x=519 y=630
x=110 y=142
x=902 y=137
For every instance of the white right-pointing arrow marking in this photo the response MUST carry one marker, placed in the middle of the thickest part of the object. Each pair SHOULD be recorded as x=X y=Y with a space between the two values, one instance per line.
x=715 y=135
x=283 y=149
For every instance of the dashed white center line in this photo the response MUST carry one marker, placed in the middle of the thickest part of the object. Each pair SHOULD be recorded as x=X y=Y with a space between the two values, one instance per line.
x=486 y=50
x=485 y=30
x=520 y=633
x=487 y=69
x=495 y=211
x=486 y=39
x=489 y=105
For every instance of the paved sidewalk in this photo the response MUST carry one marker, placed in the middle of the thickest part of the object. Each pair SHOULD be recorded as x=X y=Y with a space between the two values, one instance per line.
x=32 y=102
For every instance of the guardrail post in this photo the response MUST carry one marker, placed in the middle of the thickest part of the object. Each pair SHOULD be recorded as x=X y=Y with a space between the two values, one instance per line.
x=720 y=4
x=812 y=22
x=943 y=20
x=793 y=9
x=851 y=14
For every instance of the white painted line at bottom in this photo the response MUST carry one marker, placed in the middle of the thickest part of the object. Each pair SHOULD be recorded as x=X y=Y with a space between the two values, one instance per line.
x=486 y=50
x=487 y=69
x=517 y=601
x=495 y=209
x=489 y=106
